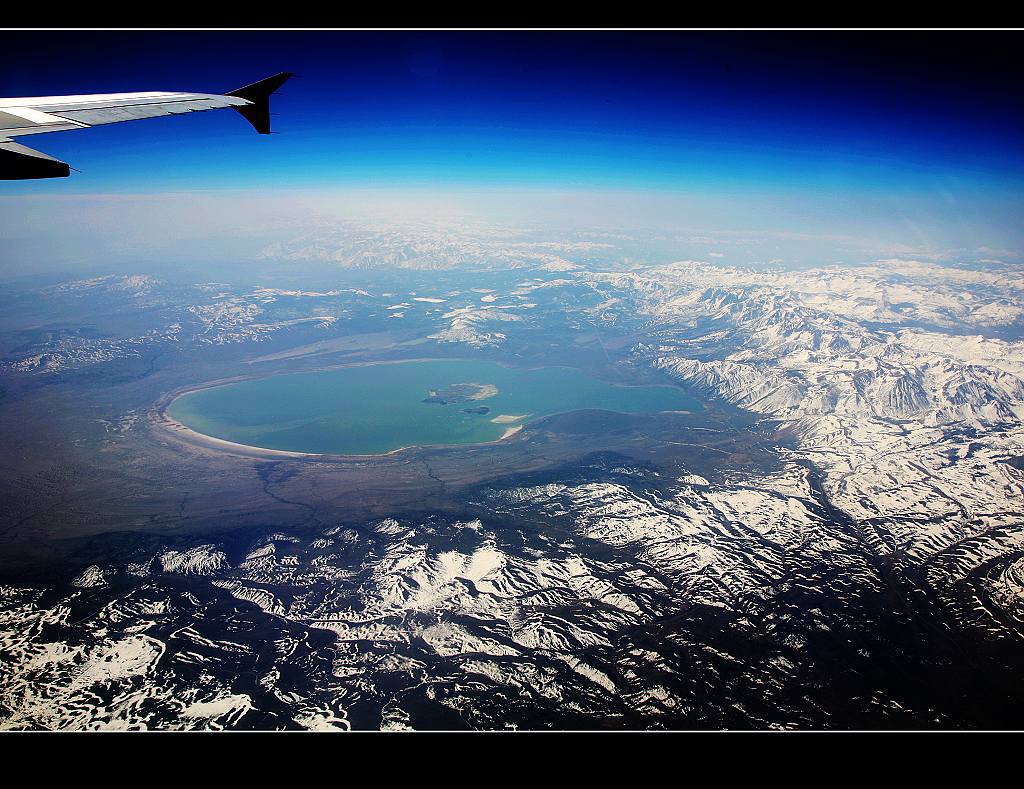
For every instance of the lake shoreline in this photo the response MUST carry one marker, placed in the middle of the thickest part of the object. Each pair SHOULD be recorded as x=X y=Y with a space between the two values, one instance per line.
x=167 y=422
x=164 y=419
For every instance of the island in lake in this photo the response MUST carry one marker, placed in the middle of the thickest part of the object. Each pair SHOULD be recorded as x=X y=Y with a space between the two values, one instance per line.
x=462 y=393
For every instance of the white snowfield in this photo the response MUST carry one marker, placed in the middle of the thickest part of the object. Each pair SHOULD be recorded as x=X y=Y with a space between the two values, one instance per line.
x=469 y=325
x=884 y=373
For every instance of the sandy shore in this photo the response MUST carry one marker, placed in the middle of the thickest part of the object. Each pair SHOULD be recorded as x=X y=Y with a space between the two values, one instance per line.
x=167 y=423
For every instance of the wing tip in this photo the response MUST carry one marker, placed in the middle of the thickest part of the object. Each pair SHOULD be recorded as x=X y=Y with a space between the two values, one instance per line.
x=258 y=94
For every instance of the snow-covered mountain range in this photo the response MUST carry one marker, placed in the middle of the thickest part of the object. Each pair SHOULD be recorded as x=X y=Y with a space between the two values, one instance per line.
x=873 y=577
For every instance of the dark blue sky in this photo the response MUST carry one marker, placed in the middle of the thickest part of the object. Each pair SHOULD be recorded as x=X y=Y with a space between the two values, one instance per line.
x=762 y=112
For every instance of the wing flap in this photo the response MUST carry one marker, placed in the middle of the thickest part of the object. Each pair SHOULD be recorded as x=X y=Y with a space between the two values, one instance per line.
x=18 y=162
x=96 y=116
x=38 y=116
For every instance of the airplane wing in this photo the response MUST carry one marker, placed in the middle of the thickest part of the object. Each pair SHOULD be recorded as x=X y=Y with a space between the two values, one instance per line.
x=42 y=114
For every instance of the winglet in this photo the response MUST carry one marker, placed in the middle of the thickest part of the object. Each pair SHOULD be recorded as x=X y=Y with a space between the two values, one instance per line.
x=257 y=112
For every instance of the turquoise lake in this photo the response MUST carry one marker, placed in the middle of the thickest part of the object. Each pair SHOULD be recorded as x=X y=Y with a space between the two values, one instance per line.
x=377 y=408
